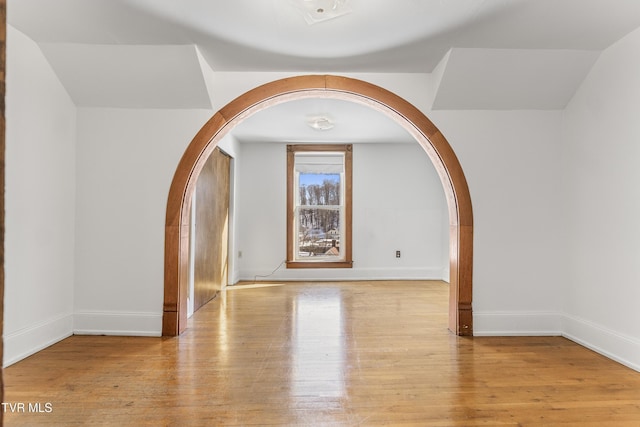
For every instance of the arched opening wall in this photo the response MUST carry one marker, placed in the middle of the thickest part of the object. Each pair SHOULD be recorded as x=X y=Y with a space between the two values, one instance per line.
x=455 y=186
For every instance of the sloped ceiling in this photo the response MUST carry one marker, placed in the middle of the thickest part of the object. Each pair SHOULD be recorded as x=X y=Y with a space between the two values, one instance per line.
x=510 y=79
x=490 y=54
x=130 y=76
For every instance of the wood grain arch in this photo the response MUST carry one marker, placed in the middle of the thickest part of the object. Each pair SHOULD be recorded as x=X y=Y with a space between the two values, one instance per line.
x=405 y=114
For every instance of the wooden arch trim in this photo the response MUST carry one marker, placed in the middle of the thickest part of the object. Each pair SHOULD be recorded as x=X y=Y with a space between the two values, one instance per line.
x=174 y=319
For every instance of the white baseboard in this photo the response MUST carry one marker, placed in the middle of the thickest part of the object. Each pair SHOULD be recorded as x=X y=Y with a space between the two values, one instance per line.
x=328 y=274
x=619 y=347
x=117 y=323
x=24 y=342
x=517 y=324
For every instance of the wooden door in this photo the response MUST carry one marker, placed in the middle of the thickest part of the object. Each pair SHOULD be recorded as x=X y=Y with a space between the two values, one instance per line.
x=211 y=231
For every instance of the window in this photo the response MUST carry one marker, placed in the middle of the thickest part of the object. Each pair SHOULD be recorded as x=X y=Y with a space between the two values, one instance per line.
x=319 y=206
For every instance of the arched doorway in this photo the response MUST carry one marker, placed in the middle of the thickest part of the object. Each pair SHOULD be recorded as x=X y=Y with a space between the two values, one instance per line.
x=405 y=114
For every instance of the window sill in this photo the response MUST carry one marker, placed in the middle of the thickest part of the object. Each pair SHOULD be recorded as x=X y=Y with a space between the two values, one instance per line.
x=319 y=264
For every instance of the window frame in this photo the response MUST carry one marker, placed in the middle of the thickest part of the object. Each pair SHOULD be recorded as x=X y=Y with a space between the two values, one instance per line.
x=347 y=261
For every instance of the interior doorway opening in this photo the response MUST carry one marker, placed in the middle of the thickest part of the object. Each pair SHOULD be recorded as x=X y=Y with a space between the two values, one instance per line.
x=405 y=114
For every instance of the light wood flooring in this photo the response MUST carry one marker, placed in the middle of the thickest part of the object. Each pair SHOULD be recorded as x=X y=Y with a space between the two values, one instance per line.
x=323 y=354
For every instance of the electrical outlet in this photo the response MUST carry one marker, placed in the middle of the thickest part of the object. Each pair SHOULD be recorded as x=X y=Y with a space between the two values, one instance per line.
x=397 y=254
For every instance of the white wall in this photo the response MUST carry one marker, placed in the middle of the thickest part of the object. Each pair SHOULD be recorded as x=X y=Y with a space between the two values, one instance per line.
x=125 y=163
x=413 y=218
x=40 y=199
x=511 y=162
x=415 y=87
x=601 y=164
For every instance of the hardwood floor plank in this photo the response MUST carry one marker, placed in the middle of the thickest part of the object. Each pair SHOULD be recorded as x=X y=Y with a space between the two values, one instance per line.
x=337 y=354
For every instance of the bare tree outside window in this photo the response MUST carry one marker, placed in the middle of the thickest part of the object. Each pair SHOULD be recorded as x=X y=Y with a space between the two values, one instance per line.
x=319 y=215
x=319 y=193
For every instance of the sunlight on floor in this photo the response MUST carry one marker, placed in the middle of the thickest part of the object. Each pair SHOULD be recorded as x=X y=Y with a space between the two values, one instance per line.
x=252 y=285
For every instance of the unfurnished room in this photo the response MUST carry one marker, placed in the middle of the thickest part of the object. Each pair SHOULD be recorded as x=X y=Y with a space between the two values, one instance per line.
x=321 y=212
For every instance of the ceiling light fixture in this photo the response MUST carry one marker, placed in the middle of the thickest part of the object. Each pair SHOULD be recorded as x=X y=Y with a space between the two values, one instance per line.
x=315 y=11
x=320 y=122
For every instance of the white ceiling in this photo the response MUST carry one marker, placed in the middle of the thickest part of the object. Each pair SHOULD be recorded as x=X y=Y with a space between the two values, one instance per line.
x=481 y=54
x=510 y=79
x=165 y=76
x=289 y=122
